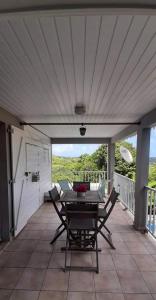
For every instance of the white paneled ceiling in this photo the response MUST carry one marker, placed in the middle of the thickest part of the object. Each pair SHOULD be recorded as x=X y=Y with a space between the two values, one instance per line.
x=48 y=63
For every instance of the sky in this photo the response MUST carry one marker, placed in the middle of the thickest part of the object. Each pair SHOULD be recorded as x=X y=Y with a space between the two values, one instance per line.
x=75 y=150
x=133 y=141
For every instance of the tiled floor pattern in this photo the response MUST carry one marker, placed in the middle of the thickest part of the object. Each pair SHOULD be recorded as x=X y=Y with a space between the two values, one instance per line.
x=31 y=269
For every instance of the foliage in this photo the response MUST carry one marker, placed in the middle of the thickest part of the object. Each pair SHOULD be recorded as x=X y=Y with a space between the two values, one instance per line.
x=152 y=184
x=86 y=163
x=99 y=157
x=64 y=167
x=152 y=176
x=121 y=166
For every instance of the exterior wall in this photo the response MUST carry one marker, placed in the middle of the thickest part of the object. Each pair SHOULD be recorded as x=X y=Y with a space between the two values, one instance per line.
x=6 y=120
x=31 y=153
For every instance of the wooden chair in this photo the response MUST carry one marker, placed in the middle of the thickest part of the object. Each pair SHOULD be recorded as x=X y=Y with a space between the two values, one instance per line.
x=65 y=185
x=103 y=215
x=82 y=223
x=55 y=196
x=101 y=188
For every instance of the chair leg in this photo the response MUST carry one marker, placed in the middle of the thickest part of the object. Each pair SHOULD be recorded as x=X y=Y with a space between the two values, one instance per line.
x=57 y=235
x=107 y=229
x=108 y=241
x=97 y=258
x=67 y=242
x=59 y=227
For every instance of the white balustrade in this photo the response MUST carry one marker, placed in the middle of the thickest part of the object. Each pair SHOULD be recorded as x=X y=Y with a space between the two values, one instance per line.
x=151 y=210
x=93 y=176
x=126 y=188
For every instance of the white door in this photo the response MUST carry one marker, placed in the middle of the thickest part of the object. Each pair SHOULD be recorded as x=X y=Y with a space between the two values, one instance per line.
x=19 y=161
x=28 y=157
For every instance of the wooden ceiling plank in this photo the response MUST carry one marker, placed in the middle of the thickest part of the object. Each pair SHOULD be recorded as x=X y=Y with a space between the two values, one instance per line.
x=105 y=40
x=144 y=41
x=78 y=35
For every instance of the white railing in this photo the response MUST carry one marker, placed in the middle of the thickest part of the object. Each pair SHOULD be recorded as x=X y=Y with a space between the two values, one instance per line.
x=126 y=188
x=94 y=177
x=151 y=210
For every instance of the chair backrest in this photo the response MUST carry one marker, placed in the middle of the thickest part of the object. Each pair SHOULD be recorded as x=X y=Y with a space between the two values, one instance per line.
x=65 y=185
x=76 y=184
x=111 y=202
x=101 y=188
x=81 y=211
x=54 y=195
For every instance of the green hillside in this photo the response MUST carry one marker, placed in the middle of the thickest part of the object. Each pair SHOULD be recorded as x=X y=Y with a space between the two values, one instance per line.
x=67 y=167
x=152 y=160
x=63 y=167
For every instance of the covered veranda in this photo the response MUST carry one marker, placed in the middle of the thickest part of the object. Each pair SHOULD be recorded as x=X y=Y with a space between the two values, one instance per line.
x=33 y=269
x=51 y=59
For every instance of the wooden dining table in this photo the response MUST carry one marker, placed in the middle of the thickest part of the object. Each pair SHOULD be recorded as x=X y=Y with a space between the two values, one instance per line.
x=90 y=197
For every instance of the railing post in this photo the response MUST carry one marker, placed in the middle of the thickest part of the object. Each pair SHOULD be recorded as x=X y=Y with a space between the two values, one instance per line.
x=111 y=165
x=142 y=166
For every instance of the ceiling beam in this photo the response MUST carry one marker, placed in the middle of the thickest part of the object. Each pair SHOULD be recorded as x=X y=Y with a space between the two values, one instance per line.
x=9 y=118
x=124 y=133
x=136 y=8
x=40 y=131
x=78 y=123
x=80 y=140
x=149 y=119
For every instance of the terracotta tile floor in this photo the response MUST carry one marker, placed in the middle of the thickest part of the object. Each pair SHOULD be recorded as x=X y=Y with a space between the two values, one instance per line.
x=31 y=269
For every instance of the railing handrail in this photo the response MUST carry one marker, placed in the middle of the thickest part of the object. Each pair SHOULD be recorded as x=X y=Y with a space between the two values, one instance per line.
x=81 y=171
x=90 y=171
x=149 y=188
x=125 y=177
x=95 y=176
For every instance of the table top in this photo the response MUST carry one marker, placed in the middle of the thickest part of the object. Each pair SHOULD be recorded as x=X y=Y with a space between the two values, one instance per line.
x=90 y=197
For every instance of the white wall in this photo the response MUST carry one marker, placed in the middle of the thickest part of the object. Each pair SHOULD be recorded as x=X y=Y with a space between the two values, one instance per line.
x=31 y=153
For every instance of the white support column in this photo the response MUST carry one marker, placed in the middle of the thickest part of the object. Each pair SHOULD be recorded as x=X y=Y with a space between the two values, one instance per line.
x=142 y=167
x=111 y=165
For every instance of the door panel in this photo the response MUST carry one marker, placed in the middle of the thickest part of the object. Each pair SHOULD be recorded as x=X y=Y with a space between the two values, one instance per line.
x=19 y=163
x=28 y=157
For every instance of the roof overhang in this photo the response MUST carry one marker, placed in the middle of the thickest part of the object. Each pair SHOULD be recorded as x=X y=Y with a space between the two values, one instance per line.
x=102 y=53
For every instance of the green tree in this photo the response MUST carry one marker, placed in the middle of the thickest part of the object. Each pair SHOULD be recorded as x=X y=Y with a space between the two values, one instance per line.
x=86 y=163
x=99 y=157
x=121 y=166
x=64 y=167
x=152 y=175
